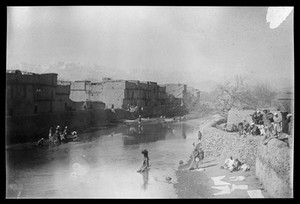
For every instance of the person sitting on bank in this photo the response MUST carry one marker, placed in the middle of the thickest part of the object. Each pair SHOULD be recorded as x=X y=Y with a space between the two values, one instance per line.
x=145 y=165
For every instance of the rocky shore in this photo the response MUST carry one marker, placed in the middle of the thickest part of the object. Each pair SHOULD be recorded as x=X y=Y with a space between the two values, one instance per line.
x=217 y=145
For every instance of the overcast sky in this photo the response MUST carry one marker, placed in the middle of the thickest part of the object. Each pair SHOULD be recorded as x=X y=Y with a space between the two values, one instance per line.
x=193 y=45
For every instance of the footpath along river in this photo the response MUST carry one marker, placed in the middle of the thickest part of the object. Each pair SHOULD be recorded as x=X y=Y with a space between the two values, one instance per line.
x=103 y=163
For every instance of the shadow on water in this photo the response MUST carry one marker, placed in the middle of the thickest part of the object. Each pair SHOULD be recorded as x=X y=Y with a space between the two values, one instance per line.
x=145 y=133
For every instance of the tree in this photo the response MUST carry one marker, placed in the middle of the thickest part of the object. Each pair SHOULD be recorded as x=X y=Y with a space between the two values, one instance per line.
x=264 y=95
x=236 y=93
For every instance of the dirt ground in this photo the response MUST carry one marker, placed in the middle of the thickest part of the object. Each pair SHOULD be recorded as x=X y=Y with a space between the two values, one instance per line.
x=198 y=184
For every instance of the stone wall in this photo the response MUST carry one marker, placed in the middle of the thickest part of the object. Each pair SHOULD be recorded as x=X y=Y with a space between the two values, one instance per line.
x=274 y=168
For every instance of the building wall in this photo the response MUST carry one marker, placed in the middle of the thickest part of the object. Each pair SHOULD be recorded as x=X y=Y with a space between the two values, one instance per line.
x=110 y=92
x=177 y=90
x=80 y=91
x=113 y=93
x=120 y=93
x=62 y=98
x=28 y=93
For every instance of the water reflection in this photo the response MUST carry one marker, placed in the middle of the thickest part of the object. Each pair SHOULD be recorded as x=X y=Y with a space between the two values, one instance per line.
x=145 y=176
x=146 y=133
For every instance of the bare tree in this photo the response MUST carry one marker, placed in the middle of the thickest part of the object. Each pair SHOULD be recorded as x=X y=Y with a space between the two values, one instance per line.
x=236 y=93
x=264 y=95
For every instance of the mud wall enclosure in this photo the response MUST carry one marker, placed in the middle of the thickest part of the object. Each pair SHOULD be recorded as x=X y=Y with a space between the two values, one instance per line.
x=274 y=168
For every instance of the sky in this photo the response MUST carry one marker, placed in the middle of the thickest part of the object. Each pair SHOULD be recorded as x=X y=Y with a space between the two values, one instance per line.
x=199 y=46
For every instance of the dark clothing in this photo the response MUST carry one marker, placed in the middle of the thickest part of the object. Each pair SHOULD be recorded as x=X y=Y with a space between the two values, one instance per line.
x=285 y=123
x=260 y=119
x=254 y=118
x=145 y=165
x=199 y=135
x=270 y=117
x=255 y=131
x=240 y=128
x=57 y=134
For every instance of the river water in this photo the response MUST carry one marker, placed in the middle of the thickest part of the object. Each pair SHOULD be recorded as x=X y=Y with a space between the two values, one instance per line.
x=102 y=164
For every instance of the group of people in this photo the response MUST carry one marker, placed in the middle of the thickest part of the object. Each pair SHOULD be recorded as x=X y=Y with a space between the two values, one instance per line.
x=235 y=165
x=58 y=136
x=267 y=124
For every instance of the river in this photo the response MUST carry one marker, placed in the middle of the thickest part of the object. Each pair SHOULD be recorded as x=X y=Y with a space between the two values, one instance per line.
x=102 y=164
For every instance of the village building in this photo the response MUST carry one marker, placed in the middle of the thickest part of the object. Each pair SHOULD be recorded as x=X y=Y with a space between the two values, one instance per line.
x=29 y=93
x=119 y=93
x=176 y=93
x=181 y=94
x=192 y=96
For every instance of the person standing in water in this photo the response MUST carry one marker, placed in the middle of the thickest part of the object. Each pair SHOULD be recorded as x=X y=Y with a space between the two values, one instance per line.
x=50 y=136
x=145 y=165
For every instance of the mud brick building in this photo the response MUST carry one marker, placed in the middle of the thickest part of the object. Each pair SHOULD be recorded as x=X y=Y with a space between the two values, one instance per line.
x=119 y=93
x=181 y=94
x=29 y=93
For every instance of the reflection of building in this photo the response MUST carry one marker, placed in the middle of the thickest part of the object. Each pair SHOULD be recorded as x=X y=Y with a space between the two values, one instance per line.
x=29 y=93
x=119 y=93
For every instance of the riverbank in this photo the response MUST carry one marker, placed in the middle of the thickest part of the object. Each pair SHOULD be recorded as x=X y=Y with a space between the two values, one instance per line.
x=219 y=145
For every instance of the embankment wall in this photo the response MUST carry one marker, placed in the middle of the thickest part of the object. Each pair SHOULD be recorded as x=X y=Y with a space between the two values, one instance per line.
x=274 y=168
